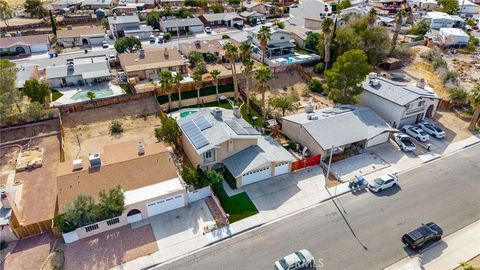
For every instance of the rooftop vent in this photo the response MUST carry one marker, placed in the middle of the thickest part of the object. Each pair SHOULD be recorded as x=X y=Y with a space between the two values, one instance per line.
x=70 y=66
x=217 y=113
x=421 y=83
x=142 y=53
x=95 y=161
x=77 y=164
x=309 y=107
x=236 y=111
x=373 y=79
x=141 y=149
x=312 y=116
x=4 y=200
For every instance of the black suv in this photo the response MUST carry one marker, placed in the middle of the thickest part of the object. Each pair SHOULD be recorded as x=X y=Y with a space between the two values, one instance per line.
x=417 y=238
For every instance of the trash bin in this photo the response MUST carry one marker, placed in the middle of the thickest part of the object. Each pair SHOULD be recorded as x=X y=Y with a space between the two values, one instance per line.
x=360 y=181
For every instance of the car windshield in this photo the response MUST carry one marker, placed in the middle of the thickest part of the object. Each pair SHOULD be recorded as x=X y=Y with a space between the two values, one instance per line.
x=435 y=128
x=379 y=181
x=423 y=133
x=300 y=255
x=283 y=263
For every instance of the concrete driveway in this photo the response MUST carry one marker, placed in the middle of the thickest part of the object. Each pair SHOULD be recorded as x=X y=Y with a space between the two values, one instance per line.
x=177 y=231
x=287 y=193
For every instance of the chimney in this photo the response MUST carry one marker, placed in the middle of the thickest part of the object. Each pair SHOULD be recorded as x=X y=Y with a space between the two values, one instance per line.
x=95 y=161
x=114 y=16
x=309 y=107
x=77 y=164
x=4 y=200
x=70 y=66
x=373 y=80
x=421 y=83
x=141 y=149
x=236 y=112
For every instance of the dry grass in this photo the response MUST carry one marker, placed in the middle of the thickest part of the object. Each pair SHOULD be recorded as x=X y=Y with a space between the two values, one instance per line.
x=19 y=3
x=455 y=128
x=475 y=262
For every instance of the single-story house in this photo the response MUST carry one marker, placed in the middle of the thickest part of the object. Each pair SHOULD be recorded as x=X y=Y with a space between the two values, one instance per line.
x=143 y=32
x=146 y=64
x=313 y=23
x=217 y=138
x=145 y=3
x=453 y=37
x=117 y=24
x=190 y=25
x=145 y=172
x=171 y=3
x=336 y=128
x=73 y=74
x=467 y=8
x=439 y=20
x=260 y=7
x=252 y=16
x=96 y=4
x=399 y=103
x=81 y=36
x=25 y=44
x=213 y=47
x=231 y=19
x=299 y=34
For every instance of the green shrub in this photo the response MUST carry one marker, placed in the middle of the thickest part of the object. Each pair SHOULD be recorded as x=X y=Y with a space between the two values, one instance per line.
x=315 y=86
x=457 y=94
x=319 y=68
x=116 y=127
x=225 y=37
x=56 y=95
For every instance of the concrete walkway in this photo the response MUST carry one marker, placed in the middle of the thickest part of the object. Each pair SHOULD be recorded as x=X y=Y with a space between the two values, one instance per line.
x=458 y=247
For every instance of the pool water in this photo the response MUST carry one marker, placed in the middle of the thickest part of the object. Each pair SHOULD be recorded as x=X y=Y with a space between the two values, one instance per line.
x=186 y=113
x=99 y=93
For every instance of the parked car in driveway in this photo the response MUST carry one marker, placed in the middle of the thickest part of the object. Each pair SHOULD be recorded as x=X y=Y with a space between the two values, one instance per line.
x=422 y=235
x=208 y=30
x=105 y=44
x=298 y=260
x=404 y=142
x=432 y=129
x=383 y=182
x=416 y=133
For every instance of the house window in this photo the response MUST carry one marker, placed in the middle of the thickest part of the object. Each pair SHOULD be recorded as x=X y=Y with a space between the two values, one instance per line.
x=208 y=156
x=407 y=106
x=282 y=37
x=421 y=103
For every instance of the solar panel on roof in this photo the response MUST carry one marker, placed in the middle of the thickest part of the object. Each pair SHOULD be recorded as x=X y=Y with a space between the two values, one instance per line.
x=241 y=127
x=194 y=134
x=202 y=123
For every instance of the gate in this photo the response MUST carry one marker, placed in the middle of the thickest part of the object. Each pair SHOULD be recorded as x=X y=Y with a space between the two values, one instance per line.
x=304 y=163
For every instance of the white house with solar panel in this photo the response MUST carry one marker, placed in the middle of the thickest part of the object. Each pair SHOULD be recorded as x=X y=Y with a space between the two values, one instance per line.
x=215 y=138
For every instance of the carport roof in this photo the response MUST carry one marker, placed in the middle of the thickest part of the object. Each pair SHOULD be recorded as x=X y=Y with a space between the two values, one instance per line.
x=181 y=22
x=257 y=156
x=341 y=125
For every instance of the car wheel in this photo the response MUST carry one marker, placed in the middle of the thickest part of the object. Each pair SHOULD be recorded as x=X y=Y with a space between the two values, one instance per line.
x=418 y=138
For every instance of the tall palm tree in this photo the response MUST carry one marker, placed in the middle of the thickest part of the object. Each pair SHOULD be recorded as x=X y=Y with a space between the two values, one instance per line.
x=264 y=35
x=327 y=39
x=398 y=25
x=371 y=18
x=245 y=50
x=197 y=80
x=177 y=80
x=231 y=53
x=474 y=98
x=166 y=82
x=262 y=77
x=215 y=73
x=247 y=73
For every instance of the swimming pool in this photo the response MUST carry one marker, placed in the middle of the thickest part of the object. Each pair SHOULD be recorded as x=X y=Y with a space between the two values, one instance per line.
x=99 y=93
x=186 y=113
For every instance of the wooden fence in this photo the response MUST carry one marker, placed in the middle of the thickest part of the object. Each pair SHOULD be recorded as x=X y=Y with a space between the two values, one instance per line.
x=305 y=163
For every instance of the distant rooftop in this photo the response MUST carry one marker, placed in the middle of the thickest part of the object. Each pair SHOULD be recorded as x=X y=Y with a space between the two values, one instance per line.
x=123 y=19
x=6 y=42
x=181 y=22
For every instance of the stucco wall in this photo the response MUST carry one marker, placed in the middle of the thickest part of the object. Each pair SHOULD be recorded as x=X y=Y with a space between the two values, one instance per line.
x=297 y=133
x=389 y=111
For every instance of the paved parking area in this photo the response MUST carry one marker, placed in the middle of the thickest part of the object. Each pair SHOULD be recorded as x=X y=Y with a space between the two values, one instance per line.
x=358 y=165
x=29 y=253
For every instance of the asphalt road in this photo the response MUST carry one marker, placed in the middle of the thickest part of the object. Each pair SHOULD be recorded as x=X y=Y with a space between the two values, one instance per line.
x=360 y=231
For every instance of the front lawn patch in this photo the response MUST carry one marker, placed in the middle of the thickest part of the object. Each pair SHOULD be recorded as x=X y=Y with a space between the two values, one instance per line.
x=238 y=206
x=56 y=95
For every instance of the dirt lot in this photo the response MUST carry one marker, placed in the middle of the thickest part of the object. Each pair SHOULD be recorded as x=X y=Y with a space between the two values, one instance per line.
x=294 y=80
x=420 y=68
x=467 y=66
x=455 y=128
x=29 y=253
x=88 y=131
x=110 y=249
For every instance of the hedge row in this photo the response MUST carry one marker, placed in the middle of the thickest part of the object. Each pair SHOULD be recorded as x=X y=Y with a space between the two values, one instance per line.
x=207 y=91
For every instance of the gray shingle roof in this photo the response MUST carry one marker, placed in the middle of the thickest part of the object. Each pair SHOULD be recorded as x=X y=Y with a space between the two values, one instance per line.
x=181 y=22
x=97 y=68
x=341 y=125
x=123 y=19
x=211 y=17
x=257 y=156
x=397 y=92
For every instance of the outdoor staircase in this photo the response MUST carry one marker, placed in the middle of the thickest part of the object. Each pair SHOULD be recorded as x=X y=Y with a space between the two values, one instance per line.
x=217 y=211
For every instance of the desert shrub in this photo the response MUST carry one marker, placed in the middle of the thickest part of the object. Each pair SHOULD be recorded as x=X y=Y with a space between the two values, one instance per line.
x=403 y=53
x=457 y=94
x=319 y=68
x=116 y=127
x=315 y=86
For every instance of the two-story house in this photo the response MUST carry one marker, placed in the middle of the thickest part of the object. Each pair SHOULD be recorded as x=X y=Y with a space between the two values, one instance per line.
x=399 y=103
x=118 y=24
x=216 y=138
x=279 y=43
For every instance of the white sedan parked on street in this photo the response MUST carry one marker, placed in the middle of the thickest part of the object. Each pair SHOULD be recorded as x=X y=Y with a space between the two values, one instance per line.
x=383 y=182
x=298 y=260
x=404 y=142
x=416 y=133
x=432 y=129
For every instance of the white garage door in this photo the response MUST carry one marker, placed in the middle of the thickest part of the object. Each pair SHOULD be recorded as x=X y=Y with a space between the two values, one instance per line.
x=257 y=175
x=96 y=40
x=281 y=168
x=165 y=205
x=379 y=139
x=39 y=48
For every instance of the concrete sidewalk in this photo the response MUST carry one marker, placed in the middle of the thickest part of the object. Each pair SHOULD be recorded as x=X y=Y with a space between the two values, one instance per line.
x=458 y=247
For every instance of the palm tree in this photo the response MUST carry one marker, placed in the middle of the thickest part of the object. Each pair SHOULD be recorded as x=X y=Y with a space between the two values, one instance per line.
x=264 y=35
x=197 y=80
x=262 y=76
x=371 y=18
x=247 y=73
x=245 y=50
x=231 y=53
x=177 y=79
x=398 y=25
x=215 y=73
x=91 y=95
x=474 y=98
x=166 y=79
x=327 y=39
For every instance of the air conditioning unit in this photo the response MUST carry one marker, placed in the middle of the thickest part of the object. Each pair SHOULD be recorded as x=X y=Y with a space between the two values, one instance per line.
x=141 y=148
x=77 y=164
x=95 y=161
x=312 y=116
